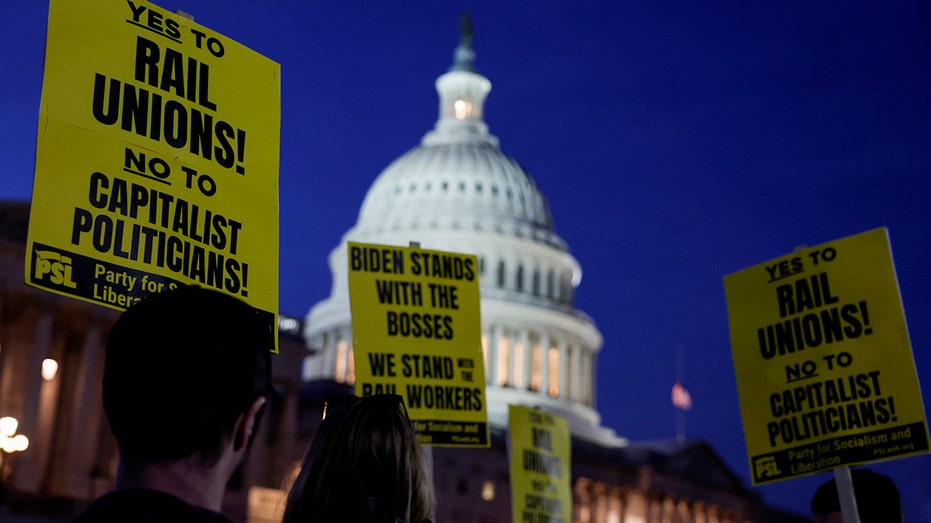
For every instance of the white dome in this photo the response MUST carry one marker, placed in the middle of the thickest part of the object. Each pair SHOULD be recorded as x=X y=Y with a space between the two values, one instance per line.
x=462 y=185
x=457 y=191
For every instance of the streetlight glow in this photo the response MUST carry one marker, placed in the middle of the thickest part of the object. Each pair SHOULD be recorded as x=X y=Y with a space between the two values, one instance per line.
x=8 y=426
x=20 y=443
x=49 y=369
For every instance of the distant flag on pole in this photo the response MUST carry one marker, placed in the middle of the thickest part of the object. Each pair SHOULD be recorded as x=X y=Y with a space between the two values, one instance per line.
x=680 y=397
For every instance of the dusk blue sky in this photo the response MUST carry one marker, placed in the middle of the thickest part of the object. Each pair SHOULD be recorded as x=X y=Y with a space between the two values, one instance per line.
x=676 y=142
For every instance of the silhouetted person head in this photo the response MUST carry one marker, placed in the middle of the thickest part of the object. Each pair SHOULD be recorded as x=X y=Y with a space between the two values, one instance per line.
x=363 y=466
x=186 y=376
x=878 y=499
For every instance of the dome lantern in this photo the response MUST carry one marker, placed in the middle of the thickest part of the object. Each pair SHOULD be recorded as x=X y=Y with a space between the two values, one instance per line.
x=462 y=92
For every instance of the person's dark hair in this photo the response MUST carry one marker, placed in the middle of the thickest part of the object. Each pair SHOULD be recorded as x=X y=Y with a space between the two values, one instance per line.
x=181 y=366
x=878 y=499
x=364 y=465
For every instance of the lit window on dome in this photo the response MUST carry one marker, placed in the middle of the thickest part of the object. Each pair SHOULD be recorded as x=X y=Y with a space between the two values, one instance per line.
x=351 y=375
x=553 y=378
x=503 y=357
x=463 y=109
x=342 y=349
x=536 y=376
x=518 y=364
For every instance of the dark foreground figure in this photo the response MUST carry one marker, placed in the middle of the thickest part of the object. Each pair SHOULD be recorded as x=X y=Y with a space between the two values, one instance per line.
x=186 y=376
x=878 y=499
x=363 y=466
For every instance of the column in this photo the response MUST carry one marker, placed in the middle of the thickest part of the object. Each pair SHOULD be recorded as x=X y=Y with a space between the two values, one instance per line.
x=491 y=365
x=30 y=465
x=350 y=363
x=511 y=359
x=685 y=511
x=526 y=361
x=593 y=382
x=586 y=383
x=698 y=511
x=331 y=338
x=84 y=413
x=655 y=513
x=615 y=505
x=545 y=342
x=6 y=364
x=670 y=514
x=576 y=369
x=714 y=514
x=600 y=503
x=637 y=506
x=582 y=501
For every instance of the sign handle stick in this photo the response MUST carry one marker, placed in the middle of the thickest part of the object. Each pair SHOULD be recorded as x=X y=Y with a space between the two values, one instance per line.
x=428 y=460
x=842 y=478
x=848 y=501
x=428 y=449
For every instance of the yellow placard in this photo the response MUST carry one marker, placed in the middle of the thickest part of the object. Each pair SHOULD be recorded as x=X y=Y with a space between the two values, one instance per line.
x=824 y=366
x=416 y=330
x=541 y=450
x=156 y=159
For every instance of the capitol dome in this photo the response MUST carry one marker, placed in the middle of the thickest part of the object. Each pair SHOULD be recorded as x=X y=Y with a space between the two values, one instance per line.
x=457 y=191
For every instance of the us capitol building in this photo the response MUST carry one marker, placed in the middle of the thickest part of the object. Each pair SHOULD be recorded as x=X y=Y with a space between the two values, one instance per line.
x=456 y=191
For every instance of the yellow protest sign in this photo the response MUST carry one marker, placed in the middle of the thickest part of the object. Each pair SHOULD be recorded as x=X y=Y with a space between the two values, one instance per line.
x=156 y=159
x=541 y=450
x=416 y=330
x=824 y=366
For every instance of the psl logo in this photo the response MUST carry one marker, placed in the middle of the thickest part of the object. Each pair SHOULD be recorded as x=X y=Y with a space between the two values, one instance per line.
x=52 y=266
x=766 y=467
